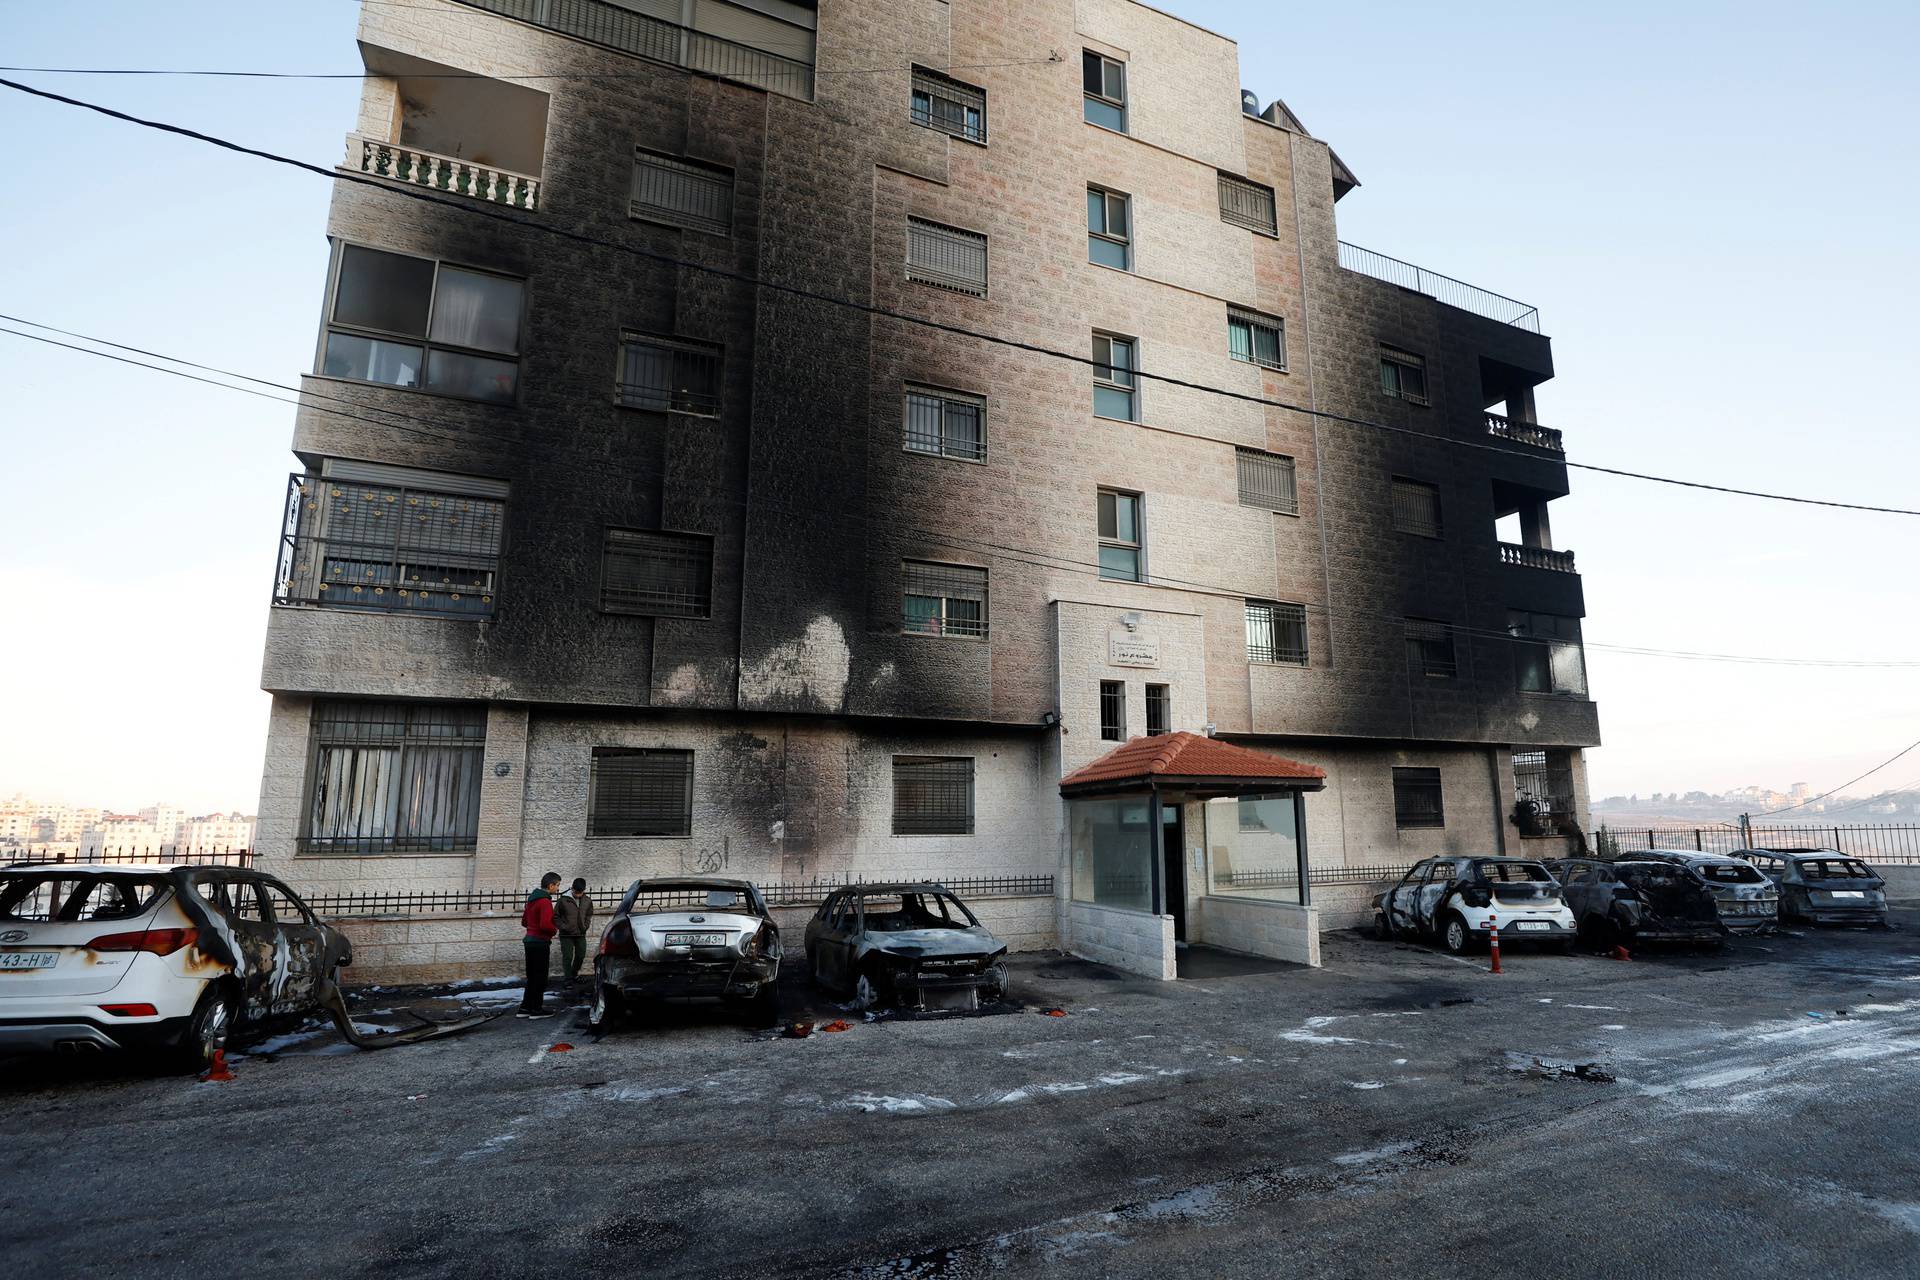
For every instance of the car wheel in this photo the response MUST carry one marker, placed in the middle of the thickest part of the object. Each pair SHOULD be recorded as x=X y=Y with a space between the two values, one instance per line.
x=207 y=1031
x=1455 y=935
x=606 y=1010
x=1381 y=929
x=998 y=983
x=866 y=993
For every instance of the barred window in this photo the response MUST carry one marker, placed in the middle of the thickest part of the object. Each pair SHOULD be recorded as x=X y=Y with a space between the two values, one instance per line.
x=414 y=322
x=1113 y=711
x=1256 y=339
x=1247 y=204
x=1416 y=798
x=1546 y=777
x=1104 y=81
x=946 y=423
x=932 y=795
x=681 y=193
x=1267 y=480
x=1115 y=393
x=1430 y=650
x=1276 y=632
x=656 y=574
x=1109 y=228
x=640 y=792
x=947 y=256
x=366 y=536
x=1403 y=374
x=949 y=105
x=943 y=599
x=1159 y=710
x=669 y=375
x=1416 y=507
x=394 y=777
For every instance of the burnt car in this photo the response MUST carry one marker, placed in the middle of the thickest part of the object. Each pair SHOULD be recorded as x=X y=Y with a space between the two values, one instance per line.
x=160 y=957
x=1460 y=901
x=687 y=938
x=1631 y=899
x=914 y=945
x=1822 y=886
x=1748 y=901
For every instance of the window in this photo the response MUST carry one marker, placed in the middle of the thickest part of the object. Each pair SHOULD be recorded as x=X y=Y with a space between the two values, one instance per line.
x=360 y=535
x=394 y=777
x=1247 y=204
x=932 y=796
x=640 y=792
x=1547 y=778
x=1113 y=711
x=1547 y=653
x=681 y=193
x=1403 y=374
x=1276 y=632
x=669 y=375
x=1109 y=228
x=943 y=599
x=1114 y=391
x=1120 y=540
x=943 y=103
x=1159 y=710
x=1105 y=81
x=287 y=909
x=664 y=575
x=946 y=424
x=1416 y=799
x=1416 y=507
x=1430 y=649
x=947 y=257
x=1266 y=480
x=1256 y=339
x=414 y=322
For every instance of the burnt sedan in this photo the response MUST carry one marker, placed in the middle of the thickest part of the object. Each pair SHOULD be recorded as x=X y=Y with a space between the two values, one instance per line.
x=687 y=938
x=1748 y=901
x=915 y=945
x=1633 y=900
x=1823 y=886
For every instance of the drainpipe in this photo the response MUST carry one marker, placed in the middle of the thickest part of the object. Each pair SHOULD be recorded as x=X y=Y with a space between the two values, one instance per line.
x=1300 y=846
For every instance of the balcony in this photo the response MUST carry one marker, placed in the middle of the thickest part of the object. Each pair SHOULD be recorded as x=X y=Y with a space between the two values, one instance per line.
x=1527 y=433
x=1455 y=293
x=1527 y=557
x=443 y=173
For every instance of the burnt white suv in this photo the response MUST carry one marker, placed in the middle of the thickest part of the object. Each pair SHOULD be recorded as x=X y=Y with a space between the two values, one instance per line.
x=175 y=959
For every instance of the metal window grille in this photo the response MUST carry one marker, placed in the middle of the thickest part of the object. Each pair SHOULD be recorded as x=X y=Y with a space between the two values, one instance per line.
x=1416 y=508
x=397 y=548
x=943 y=599
x=1403 y=374
x=1247 y=204
x=947 y=256
x=1113 y=711
x=1267 y=480
x=394 y=777
x=1416 y=798
x=949 y=105
x=640 y=792
x=932 y=796
x=684 y=193
x=946 y=424
x=1430 y=649
x=669 y=375
x=1276 y=632
x=1159 y=710
x=1256 y=339
x=1545 y=776
x=657 y=574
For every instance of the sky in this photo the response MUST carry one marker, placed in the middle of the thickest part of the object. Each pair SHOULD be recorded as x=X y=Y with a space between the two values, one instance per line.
x=1712 y=205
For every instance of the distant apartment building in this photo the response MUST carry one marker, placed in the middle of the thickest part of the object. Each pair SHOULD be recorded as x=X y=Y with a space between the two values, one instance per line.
x=617 y=545
x=214 y=833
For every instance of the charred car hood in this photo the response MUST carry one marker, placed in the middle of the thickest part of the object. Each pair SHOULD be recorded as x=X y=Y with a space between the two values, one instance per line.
x=933 y=942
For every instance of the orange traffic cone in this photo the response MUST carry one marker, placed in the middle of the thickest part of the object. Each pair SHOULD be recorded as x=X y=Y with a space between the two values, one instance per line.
x=1493 y=941
x=219 y=1071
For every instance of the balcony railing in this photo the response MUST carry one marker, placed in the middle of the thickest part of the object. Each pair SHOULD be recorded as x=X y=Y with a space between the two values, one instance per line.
x=615 y=26
x=443 y=173
x=1525 y=433
x=353 y=545
x=1536 y=558
x=1455 y=293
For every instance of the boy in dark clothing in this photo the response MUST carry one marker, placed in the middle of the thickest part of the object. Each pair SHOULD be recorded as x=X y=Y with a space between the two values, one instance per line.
x=573 y=917
x=537 y=919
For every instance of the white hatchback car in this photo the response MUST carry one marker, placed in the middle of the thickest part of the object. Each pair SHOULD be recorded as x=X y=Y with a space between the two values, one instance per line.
x=1461 y=901
x=157 y=957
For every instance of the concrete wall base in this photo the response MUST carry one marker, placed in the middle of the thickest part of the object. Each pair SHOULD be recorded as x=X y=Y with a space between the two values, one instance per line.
x=1261 y=927
x=1136 y=941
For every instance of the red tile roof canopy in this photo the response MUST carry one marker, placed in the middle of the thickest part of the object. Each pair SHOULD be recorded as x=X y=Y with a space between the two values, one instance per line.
x=1189 y=762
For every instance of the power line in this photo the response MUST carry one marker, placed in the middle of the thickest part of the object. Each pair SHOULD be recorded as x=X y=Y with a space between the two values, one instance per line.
x=238 y=74
x=1849 y=782
x=497 y=215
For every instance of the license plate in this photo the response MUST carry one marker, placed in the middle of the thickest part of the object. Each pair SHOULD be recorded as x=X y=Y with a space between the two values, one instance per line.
x=696 y=939
x=21 y=961
x=1848 y=893
x=1533 y=924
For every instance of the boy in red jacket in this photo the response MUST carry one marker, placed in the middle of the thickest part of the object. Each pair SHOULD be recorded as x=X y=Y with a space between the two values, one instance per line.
x=537 y=919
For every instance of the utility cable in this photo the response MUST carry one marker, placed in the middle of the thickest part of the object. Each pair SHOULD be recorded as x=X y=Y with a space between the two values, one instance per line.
x=1849 y=782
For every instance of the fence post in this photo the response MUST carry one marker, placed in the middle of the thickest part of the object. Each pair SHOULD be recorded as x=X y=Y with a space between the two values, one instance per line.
x=1746 y=832
x=1697 y=846
x=1836 y=839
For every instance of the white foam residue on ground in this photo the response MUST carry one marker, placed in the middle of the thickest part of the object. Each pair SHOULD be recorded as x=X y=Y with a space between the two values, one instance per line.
x=1721 y=1079
x=1375 y=1154
x=1613 y=1026
x=630 y=1093
x=1607 y=1008
x=490 y=1146
x=912 y=1104
x=1367 y=1084
x=1308 y=1032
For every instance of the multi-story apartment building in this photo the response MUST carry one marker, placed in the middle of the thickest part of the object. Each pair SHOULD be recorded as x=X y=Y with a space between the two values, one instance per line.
x=792 y=438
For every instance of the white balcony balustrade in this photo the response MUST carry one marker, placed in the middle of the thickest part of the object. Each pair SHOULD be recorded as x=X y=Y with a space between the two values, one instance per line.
x=385 y=159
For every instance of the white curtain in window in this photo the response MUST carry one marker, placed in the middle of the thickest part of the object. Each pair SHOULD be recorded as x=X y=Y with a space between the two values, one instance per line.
x=472 y=310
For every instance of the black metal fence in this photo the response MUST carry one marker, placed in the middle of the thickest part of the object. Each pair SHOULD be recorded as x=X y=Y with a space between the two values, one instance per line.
x=127 y=855
x=1455 y=293
x=1891 y=843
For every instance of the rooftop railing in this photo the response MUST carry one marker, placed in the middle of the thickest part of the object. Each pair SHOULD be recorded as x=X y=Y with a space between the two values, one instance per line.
x=1455 y=293
x=1536 y=558
x=385 y=159
x=1525 y=433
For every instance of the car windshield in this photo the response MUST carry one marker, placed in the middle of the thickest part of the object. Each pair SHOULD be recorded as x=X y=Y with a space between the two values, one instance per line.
x=667 y=896
x=1836 y=869
x=1729 y=873
x=1644 y=875
x=894 y=912
x=1513 y=872
x=42 y=896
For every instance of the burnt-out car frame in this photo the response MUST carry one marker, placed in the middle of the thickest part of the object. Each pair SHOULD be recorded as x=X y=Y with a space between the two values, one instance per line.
x=914 y=945
x=1822 y=886
x=687 y=938
x=1460 y=901
x=1630 y=900
x=1747 y=900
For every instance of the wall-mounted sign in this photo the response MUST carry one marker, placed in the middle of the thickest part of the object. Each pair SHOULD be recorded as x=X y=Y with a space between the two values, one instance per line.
x=1133 y=651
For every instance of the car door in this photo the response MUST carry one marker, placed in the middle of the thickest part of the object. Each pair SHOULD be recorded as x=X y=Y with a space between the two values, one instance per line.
x=1401 y=898
x=256 y=944
x=1576 y=883
x=830 y=949
x=304 y=960
x=1433 y=894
